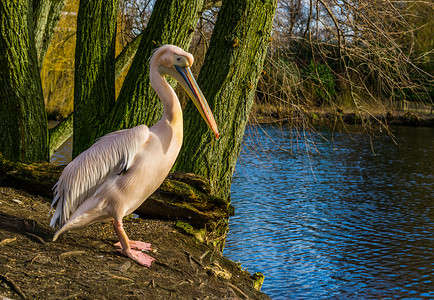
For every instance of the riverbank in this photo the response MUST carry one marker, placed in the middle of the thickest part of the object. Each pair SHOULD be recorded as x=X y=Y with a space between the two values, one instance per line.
x=83 y=264
x=271 y=115
x=187 y=232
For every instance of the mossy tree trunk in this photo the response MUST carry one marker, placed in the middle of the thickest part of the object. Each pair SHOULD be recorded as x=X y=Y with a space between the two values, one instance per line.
x=26 y=30
x=171 y=22
x=60 y=133
x=228 y=79
x=94 y=82
x=124 y=59
x=23 y=121
x=46 y=15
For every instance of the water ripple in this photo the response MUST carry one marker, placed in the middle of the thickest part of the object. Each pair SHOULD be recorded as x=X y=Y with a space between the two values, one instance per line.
x=344 y=223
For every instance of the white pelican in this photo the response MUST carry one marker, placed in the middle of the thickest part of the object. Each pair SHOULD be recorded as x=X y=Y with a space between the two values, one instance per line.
x=113 y=177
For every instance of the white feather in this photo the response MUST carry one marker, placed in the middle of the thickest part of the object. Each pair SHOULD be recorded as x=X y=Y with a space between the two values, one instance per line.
x=109 y=156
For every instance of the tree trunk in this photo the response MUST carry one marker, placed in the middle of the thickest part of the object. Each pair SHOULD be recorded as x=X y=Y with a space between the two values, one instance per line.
x=124 y=59
x=23 y=121
x=228 y=79
x=46 y=15
x=94 y=82
x=171 y=22
x=60 y=133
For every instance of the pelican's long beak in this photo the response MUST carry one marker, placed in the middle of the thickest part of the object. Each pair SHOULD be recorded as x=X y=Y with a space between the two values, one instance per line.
x=190 y=86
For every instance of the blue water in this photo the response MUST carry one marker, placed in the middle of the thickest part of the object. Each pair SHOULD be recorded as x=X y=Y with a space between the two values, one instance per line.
x=337 y=216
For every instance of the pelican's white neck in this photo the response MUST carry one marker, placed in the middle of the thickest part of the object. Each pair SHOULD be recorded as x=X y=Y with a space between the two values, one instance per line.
x=172 y=107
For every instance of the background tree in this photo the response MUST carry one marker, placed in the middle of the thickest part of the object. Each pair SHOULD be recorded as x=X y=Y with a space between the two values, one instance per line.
x=46 y=14
x=358 y=56
x=57 y=73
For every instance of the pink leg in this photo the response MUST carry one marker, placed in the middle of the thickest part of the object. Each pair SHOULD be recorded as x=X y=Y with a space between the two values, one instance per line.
x=137 y=256
x=138 y=245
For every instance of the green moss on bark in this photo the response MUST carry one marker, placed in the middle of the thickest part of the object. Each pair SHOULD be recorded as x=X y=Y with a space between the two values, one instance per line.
x=60 y=133
x=23 y=122
x=46 y=15
x=94 y=83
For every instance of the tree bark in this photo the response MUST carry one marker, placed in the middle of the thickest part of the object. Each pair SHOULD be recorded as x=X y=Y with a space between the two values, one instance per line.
x=46 y=15
x=228 y=79
x=125 y=58
x=171 y=22
x=94 y=82
x=23 y=122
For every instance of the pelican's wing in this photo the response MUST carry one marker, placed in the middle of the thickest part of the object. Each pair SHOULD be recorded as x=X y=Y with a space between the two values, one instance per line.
x=111 y=154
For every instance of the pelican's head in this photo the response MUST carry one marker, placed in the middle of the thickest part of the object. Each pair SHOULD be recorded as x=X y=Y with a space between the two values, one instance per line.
x=175 y=62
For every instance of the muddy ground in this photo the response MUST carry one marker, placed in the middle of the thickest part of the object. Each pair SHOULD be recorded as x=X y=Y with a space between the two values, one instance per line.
x=84 y=264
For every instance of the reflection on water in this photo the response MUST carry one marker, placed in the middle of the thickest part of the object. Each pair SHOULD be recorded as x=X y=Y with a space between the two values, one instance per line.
x=342 y=223
x=63 y=155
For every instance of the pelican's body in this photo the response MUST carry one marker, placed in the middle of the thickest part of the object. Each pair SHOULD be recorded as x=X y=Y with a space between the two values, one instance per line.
x=113 y=177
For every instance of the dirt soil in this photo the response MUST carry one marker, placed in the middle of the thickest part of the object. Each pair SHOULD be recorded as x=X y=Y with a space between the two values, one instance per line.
x=84 y=264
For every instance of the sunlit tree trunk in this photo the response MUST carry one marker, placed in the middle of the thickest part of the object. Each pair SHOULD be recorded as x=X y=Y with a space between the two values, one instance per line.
x=228 y=79
x=46 y=15
x=94 y=82
x=23 y=121
x=124 y=59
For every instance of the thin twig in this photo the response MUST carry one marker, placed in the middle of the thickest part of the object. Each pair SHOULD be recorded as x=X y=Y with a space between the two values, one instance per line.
x=13 y=285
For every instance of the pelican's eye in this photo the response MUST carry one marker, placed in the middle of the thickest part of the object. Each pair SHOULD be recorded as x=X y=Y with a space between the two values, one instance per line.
x=181 y=61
